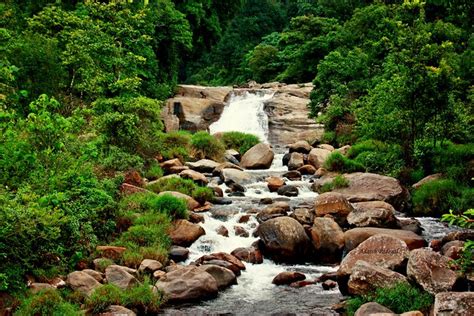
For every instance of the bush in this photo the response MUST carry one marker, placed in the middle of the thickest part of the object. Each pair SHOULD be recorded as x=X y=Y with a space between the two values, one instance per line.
x=185 y=186
x=435 y=197
x=174 y=145
x=103 y=297
x=153 y=171
x=47 y=302
x=170 y=205
x=340 y=163
x=239 y=141
x=399 y=298
x=205 y=145
x=203 y=194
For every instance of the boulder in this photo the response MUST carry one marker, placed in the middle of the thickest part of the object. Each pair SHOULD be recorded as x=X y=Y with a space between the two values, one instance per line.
x=223 y=276
x=117 y=310
x=120 y=276
x=463 y=235
x=334 y=204
x=223 y=259
x=187 y=284
x=453 y=249
x=328 y=239
x=203 y=165
x=172 y=163
x=303 y=215
x=355 y=236
x=196 y=218
x=307 y=169
x=272 y=211
x=286 y=277
x=95 y=274
x=326 y=146
x=284 y=239
x=431 y=270
x=274 y=183
x=427 y=179
x=372 y=214
x=329 y=284
x=233 y=153
x=82 y=282
x=111 y=252
x=410 y=224
x=301 y=146
x=259 y=156
x=226 y=165
x=178 y=253
x=197 y=177
x=191 y=203
x=366 y=277
x=232 y=175
x=149 y=266
x=454 y=304
x=296 y=161
x=344 y=150
x=292 y=175
x=372 y=308
x=288 y=190
x=317 y=157
x=184 y=233
x=249 y=254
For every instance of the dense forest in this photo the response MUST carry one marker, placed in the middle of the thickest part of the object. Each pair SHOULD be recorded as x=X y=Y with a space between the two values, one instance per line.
x=82 y=84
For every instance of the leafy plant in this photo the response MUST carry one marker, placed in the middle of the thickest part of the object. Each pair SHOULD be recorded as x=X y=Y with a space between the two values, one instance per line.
x=239 y=141
x=205 y=145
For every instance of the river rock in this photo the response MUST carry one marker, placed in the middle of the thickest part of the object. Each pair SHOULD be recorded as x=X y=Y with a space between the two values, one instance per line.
x=184 y=233
x=240 y=231
x=453 y=249
x=222 y=230
x=117 y=310
x=226 y=165
x=288 y=190
x=178 y=253
x=303 y=215
x=232 y=175
x=372 y=308
x=366 y=277
x=301 y=146
x=410 y=224
x=274 y=183
x=328 y=239
x=372 y=214
x=248 y=254
x=292 y=175
x=307 y=169
x=191 y=203
x=259 y=156
x=82 y=282
x=120 y=276
x=150 y=266
x=203 y=165
x=230 y=261
x=355 y=236
x=197 y=177
x=326 y=146
x=454 y=304
x=463 y=235
x=431 y=270
x=427 y=179
x=296 y=161
x=168 y=164
x=334 y=204
x=317 y=157
x=328 y=284
x=274 y=210
x=284 y=239
x=286 y=277
x=187 y=284
x=223 y=276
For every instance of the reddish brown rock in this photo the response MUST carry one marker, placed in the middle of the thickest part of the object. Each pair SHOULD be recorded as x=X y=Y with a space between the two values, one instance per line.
x=328 y=239
x=197 y=177
x=240 y=231
x=184 y=233
x=454 y=304
x=296 y=161
x=372 y=214
x=274 y=183
x=274 y=210
x=249 y=254
x=285 y=278
x=329 y=284
x=334 y=204
x=223 y=231
x=355 y=236
x=307 y=169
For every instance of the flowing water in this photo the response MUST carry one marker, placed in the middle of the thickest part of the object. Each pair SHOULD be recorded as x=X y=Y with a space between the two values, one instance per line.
x=255 y=294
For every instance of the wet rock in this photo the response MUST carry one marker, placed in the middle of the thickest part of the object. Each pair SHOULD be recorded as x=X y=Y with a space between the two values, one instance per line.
x=355 y=236
x=117 y=310
x=223 y=231
x=427 y=179
x=272 y=211
x=301 y=146
x=82 y=282
x=317 y=157
x=223 y=276
x=303 y=215
x=234 y=153
x=111 y=252
x=184 y=233
x=307 y=169
x=274 y=183
x=248 y=254
x=259 y=156
x=286 y=159
x=226 y=165
x=230 y=261
x=463 y=235
x=288 y=190
x=120 y=277
x=329 y=284
x=224 y=264
x=410 y=224
x=334 y=204
x=371 y=308
x=372 y=214
x=236 y=194
x=223 y=214
x=240 y=231
x=303 y=283
x=231 y=176
x=244 y=218
x=366 y=277
x=296 y=161
x=187 y=284
x=191 y=203
x=95 y=274
x=197 y=177
x=328 y=239
x=454 y=304
x=178 y=253
x=221 y=201
x=149 y=266
x=217 y=191
x=284 y=239
x=203 y=165
x=292 y=175
x=453 y=249
x=431 y=270
x=285 y=278
x=266 y=201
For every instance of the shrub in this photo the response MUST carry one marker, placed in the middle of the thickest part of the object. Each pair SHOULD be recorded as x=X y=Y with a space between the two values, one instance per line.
x=174 y=145
x=153 y=171
x=203 y=194
x=103 y=297
x=173 y=206
x=47 y=302
x=435 y=197
x=177 y=184
x=338 y=182
x=205 y=145
x=239 y=141
x=399 y=298
x=338 y=162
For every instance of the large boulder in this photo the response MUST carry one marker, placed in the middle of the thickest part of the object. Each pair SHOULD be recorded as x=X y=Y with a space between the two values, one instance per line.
x=284 y=239
x=187 y=284
x=197 y=177
x=149 y=266
x=274 y=210
x=365 y=187
x=355 y=236
x=168 y=165
x=223 y=276
x=317 y=157
x=303 y=215
x=120 y=276
x=234 y=176
x=307 y=169
x=431 y=270
x=334 y=204
x=366 y=277
x=224 y=260
x=203 y=165
x=328 y=239
x=274 y=183
x=372 y=214
x=301 y=146
x=190 y=202
x=184 y=233
x=178 y=253
x=82 y=282
x=373 y=308
x=381 y=250
x=296 y=161
x=259 y=156
x=454 y=304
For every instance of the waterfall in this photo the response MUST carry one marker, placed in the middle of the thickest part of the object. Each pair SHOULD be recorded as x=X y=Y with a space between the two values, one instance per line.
x=245 y=113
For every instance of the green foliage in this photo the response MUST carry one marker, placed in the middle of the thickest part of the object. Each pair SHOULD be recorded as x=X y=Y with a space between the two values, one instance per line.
x=205 y=145
x=184 y=186
x=337 y=183
x=174 y=145
x=239 y=141
x=399 y=298
x=338 y=162
x=465 y=219
x=172 y=206
x=47 y=302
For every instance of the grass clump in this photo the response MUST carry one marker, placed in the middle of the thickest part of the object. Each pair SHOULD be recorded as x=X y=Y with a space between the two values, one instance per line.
x=185 y=186
x=204 y=145
x=239 y=141
x=338 y=182
x=400 y=298
x=47 y=302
